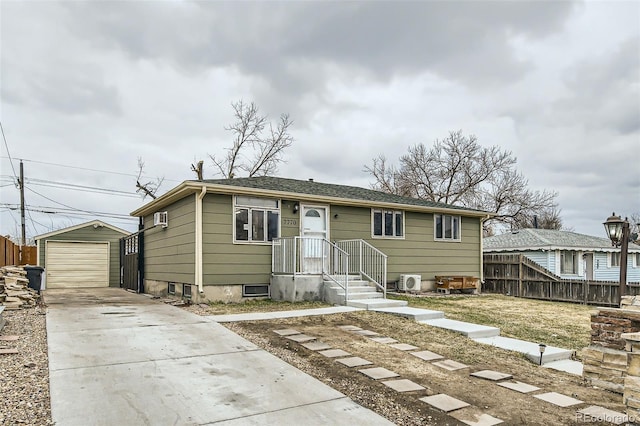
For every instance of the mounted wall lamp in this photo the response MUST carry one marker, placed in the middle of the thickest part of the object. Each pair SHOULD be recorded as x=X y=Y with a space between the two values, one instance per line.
x=296 y=207
x=335 y=216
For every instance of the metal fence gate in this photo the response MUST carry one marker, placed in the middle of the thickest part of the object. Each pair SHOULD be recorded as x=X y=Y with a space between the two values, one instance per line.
x=132 y=262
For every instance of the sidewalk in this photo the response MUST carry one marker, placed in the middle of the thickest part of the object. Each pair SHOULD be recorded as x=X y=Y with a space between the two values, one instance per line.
x=117 y=358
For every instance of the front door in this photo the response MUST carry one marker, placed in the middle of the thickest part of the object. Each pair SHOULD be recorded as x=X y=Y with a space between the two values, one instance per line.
x=588 y=266
x=315 y=232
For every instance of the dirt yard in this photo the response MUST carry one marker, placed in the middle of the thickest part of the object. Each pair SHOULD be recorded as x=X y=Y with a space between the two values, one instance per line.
x=406 y=408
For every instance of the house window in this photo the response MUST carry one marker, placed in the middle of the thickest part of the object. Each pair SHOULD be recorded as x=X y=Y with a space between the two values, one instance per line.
x=615 y=259
x=569 y=262
x=636 y=258
x=447 y=227
x=388 y=223
x=256 y=219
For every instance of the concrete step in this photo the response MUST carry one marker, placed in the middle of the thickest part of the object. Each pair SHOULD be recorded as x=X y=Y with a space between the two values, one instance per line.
x=415 y=314
x=529 y=349
x=355 y=289
x=468 y=329
x=357 y=296
x=566 y=365
x=372 y=304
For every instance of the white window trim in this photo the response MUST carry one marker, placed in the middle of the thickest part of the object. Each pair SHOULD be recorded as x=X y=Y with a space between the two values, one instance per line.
x=610 y=260
x=577 y=262
x=388 y=237
x=235 y=206
x=443 y=239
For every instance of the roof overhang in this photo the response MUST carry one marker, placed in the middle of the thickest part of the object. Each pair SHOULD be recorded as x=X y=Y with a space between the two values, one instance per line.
x=561 y=248
x=95 y=223
x=191 y=187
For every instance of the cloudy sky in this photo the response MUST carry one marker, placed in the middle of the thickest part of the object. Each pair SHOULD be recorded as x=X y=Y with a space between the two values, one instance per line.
x=88 y=87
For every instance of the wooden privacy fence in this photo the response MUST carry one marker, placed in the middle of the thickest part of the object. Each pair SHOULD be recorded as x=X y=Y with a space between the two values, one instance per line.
x=10 y=253
x=517 y=275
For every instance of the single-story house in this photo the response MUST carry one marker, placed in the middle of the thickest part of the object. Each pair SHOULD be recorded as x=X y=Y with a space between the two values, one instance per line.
x=568 y=254
x=84 y=255
x=229 y=238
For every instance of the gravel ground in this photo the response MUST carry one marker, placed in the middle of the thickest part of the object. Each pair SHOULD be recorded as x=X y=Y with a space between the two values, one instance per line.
x=24 y=377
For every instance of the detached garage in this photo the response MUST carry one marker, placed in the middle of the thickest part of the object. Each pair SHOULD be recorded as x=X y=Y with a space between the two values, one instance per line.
x=85 y=255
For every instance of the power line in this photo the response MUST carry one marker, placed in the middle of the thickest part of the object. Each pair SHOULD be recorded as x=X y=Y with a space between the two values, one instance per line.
x=8 y=153
x=83 y=188
x=75 y=209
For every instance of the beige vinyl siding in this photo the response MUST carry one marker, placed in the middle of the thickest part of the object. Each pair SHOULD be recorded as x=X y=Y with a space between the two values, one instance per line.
x=418 y=252
x=170 y=252
x=91 y=234
x=223 y=261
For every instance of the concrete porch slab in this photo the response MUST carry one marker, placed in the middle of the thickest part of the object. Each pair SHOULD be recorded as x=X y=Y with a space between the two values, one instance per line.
x=372 y=304
x=558 y=399
x=415 y=314
x=444 y=402
x=403 y=385
x=531 y=350
x=466 y=328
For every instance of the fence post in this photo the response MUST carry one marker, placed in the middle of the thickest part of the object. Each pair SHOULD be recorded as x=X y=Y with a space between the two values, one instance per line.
x=520 y=271
x=585 y=286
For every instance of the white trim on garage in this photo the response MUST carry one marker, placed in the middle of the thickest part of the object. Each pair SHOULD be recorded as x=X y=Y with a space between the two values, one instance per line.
x=75 y=264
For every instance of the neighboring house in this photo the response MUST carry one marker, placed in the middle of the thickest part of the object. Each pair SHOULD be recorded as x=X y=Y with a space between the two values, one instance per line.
x=228 y=238
x=85 y=255
x=568 y=254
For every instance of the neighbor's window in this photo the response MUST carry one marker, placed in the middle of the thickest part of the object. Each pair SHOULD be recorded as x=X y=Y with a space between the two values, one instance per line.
x=256 y=219
x=637 y=258
x=446 y=227
x=615 y=259
x=568 y=262
x=388 y=223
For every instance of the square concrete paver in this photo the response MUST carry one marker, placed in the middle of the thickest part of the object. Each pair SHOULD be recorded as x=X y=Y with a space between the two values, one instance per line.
x=403 y=385
x=378 y=373
x=519 y=386
x=316 y=346
x=601 y=414
x=385 y=340
x=482 y=420
x=403 y=346
x=444 y=402
x=334 y=353
x=286 y=332
x=427 y=355
x=300 y=338
x=451 y=365
x=558 y=399
x=349 y=328
x=366 y=332
x=354 y=361
x=491 y=375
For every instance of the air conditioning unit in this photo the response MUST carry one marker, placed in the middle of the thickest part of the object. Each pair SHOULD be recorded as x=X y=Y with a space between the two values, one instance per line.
x=410 y=282
x=161 y=219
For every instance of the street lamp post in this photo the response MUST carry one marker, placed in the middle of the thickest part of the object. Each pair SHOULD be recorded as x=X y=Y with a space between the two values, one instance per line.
x=618 y=232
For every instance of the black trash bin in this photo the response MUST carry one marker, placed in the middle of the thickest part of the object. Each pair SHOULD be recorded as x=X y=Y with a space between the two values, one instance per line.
x=34 y=275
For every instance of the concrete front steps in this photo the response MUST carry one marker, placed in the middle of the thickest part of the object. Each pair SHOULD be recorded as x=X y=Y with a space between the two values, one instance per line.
x=555 y=358
x=362 y=294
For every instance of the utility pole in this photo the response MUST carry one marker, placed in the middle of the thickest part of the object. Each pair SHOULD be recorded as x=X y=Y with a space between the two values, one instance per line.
x=23 y=240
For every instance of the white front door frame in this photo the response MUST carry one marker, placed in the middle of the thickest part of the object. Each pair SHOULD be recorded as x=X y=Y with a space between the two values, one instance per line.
x=314 y=223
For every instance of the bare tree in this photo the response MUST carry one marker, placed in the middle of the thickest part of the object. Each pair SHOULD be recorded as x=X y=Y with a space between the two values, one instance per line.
x=147 y=189
x=197 y=169
x=459 y=171
x=253 y=152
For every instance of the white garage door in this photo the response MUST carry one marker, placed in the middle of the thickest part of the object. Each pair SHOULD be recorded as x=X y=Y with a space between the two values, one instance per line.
x=76 y=264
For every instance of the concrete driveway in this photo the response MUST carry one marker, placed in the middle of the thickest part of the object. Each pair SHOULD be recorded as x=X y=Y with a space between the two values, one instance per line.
x=117 y=358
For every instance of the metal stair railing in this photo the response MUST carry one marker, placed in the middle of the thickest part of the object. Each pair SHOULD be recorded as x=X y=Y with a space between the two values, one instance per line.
x=366 y=261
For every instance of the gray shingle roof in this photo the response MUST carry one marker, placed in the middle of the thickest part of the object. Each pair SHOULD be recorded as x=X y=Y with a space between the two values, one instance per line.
x=308 y=187
x=534 y=239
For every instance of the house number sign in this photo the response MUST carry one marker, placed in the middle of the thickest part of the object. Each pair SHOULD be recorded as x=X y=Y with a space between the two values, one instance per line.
x=290 y=222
